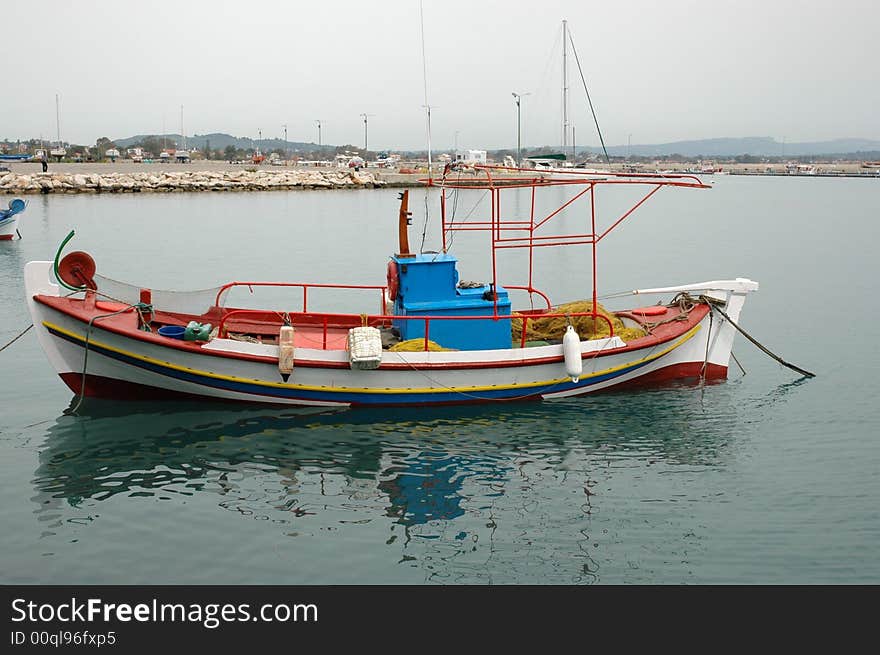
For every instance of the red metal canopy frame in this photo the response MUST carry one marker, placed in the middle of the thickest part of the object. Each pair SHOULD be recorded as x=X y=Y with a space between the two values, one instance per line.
x=527 y=232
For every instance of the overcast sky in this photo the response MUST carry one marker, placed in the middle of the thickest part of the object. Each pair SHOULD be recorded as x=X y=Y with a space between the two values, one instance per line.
x=656 y=71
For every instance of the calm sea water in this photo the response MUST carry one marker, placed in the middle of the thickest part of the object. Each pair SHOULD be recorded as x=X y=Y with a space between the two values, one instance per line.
x=764 y=478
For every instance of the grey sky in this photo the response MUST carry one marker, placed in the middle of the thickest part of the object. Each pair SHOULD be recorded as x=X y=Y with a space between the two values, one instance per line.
x=659 y=71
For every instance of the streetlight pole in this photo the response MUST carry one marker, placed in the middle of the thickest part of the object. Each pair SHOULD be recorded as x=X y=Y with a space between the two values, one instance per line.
x=519 y=97
x=318 y=122
x=365 y=117
x=285 y=140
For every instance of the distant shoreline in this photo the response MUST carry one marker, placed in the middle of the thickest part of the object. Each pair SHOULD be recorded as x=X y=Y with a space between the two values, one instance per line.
x=125 y=176
x=127 y=166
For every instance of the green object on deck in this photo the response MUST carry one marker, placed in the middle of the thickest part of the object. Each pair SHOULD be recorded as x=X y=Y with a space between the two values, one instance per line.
x=196 y=331
x=557 y=156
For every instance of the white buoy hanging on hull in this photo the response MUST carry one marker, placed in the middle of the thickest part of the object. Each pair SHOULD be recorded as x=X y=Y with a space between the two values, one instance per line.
x=285 y=351
x=571 y=353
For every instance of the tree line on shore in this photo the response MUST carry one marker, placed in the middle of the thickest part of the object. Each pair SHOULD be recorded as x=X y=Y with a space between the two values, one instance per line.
x=152 y=146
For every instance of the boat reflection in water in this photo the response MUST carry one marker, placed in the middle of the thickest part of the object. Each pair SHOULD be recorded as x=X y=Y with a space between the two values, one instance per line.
x=459 y=492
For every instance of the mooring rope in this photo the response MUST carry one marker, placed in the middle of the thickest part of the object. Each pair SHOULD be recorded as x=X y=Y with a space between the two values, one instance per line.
x=545 y=390
x=17 y=337
x=708 y=346
x=82 y=388
x=685 y=303
x=714 y=306
x=439 y=384
x=737 y=363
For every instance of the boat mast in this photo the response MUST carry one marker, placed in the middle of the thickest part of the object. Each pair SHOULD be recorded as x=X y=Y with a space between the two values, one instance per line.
x=58 y=119
x=425 y=80
x=564 y=84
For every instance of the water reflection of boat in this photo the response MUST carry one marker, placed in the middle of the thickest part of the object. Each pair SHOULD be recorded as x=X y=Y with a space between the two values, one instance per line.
x=119 y=448
x=460 y=494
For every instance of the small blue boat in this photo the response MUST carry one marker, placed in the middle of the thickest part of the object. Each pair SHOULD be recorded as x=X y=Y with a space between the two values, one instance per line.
x=9 y=219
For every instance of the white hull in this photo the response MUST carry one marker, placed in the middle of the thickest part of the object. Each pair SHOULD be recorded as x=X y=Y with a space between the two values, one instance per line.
x=126 y=365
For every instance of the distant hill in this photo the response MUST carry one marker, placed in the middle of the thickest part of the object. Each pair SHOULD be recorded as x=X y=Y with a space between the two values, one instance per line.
x=723 y=147
x=219 y=141
x=757 y=146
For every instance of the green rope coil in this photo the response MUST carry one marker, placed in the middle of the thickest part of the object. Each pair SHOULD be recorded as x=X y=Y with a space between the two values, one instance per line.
x=57 y=256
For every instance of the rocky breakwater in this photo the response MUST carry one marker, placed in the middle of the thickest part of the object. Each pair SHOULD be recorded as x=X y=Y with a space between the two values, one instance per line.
x=166 y=181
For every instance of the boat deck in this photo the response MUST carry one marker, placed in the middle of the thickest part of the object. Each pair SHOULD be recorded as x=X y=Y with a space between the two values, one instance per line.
x=312 y=331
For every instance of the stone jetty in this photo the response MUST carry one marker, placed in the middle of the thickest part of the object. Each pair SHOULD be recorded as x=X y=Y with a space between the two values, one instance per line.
x=167 y=181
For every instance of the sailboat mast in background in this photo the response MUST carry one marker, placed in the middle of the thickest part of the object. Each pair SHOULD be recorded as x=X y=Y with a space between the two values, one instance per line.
x=564 y=83
x=58 y=150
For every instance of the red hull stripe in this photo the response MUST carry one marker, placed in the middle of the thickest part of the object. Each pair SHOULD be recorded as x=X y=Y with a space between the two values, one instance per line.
x=675 y=373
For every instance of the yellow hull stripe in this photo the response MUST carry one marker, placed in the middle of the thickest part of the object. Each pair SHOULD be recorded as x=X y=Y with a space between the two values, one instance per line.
x=281 y=385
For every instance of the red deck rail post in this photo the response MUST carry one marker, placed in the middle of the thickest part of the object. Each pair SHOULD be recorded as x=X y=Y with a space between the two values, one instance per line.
x=593 y=230
x=531 y=246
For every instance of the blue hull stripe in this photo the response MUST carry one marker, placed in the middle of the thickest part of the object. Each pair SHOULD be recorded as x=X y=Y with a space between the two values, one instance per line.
x=380 y=397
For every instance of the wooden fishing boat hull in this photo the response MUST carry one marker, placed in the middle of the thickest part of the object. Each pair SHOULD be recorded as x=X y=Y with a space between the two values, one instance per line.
x=113 y=359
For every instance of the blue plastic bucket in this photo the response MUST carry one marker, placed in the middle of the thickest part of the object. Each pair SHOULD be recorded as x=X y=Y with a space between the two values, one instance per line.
x=16 y=205
x=172 y=331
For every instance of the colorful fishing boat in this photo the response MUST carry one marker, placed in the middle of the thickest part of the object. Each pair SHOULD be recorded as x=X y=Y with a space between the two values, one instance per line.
x=9 y=218
x=423 y=338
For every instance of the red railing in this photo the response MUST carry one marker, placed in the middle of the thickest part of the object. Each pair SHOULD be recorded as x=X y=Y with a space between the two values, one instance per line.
x=530 y=290
x=305 y=286
x=344 y=320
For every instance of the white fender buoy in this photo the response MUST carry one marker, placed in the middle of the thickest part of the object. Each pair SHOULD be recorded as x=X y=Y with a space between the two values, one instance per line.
x=285 y=351
x=571 y=353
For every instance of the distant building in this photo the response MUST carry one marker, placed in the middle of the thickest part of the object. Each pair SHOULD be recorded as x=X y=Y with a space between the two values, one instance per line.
x=470 y=156
x=544 y=162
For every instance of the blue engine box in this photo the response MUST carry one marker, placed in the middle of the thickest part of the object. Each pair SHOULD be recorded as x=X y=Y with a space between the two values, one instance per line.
x=428 y=287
